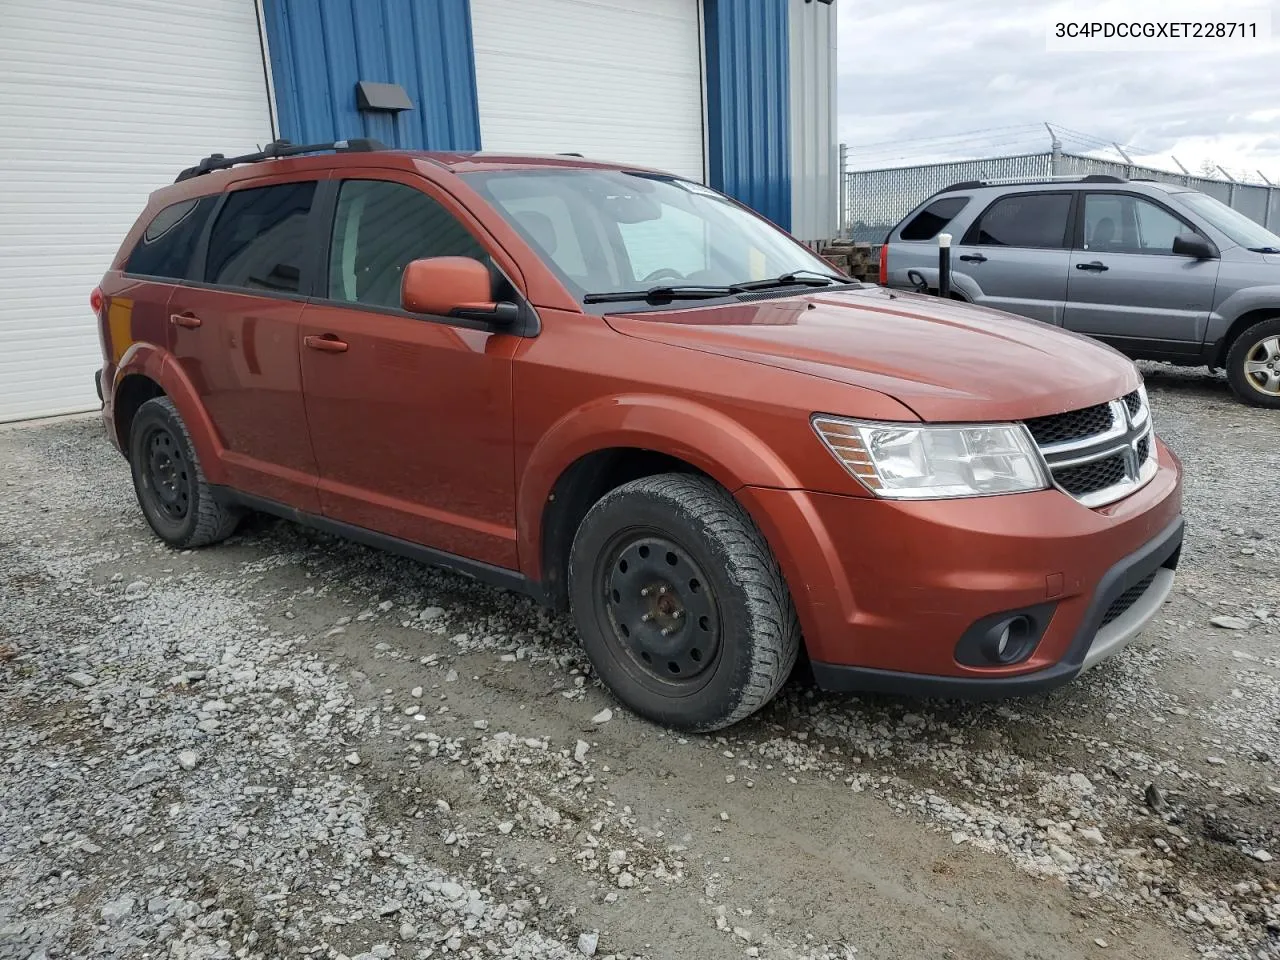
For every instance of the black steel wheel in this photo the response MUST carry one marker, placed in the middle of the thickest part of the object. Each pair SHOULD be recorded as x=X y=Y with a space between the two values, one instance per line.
x=680 y=604
x=166 y=475
x=662 y=608
x=175 y=498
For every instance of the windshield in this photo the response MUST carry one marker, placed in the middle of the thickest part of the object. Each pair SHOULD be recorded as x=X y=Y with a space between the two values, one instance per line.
x=607 y=230
x=1239 y=228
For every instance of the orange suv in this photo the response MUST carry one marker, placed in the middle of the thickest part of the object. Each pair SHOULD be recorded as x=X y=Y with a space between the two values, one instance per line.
x=628 y=396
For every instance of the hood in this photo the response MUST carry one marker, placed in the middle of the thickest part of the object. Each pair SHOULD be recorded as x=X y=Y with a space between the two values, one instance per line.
x=944 y=359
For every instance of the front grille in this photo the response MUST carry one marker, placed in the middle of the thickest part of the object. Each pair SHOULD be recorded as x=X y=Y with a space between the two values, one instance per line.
x=1091 y=477
x=1074 y=425
x=1128 y=598
x=1098 y=454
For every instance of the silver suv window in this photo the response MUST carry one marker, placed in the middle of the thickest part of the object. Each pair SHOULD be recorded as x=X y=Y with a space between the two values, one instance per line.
x=1120 y=223
x=1235 y=225
x=1024 y=220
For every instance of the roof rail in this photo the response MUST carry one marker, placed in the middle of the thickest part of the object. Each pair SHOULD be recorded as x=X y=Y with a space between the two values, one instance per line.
x=1008 y=181
x=275 y=150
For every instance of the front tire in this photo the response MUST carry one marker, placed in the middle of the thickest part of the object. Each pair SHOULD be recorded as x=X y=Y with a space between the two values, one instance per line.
x=171 y=487
x=1253 y=364
x=680 y=604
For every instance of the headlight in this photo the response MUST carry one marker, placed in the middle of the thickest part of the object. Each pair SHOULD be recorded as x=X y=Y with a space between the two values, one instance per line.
x=922 y=462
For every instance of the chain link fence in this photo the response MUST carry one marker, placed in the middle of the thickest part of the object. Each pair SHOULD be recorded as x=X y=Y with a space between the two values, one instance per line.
x=875 y=200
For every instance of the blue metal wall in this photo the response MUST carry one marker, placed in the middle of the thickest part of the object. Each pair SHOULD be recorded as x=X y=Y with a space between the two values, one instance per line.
x=320 y=48
x=749 y=104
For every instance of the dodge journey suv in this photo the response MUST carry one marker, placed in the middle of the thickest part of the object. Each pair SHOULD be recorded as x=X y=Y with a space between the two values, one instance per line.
x=1157 y=270
x=631 y=398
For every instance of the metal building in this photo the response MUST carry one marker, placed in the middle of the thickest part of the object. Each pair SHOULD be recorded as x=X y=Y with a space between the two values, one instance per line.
x=103 y=102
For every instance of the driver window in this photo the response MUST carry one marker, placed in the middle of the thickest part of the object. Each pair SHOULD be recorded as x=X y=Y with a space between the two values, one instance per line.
x=380 y=227
x=672 y=246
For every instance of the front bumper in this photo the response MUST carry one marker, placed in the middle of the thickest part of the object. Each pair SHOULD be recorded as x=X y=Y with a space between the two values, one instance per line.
x=886 y=590
x=1093 y=642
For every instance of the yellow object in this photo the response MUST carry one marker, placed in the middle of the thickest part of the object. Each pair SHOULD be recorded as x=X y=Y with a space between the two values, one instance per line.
x=755 y=263
x=120 y=326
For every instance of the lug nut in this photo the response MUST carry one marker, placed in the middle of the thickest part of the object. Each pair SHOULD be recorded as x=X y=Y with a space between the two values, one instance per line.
x=677 y=615
x=666 y=632
x=645 y=618
x=644 y=592
x=662 y=591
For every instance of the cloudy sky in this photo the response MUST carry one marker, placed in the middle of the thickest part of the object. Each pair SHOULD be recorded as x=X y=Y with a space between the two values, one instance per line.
x=925 y=80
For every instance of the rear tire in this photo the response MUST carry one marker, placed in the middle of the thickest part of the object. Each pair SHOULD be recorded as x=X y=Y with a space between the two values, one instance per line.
x=175 y=497
x=676 y=552
x=1253 y=364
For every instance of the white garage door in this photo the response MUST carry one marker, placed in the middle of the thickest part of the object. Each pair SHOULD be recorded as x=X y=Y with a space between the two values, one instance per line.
x=610 y=79
x=101 y=103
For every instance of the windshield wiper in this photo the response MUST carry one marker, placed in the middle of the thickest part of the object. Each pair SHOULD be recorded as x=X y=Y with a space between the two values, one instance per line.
x=805 y=278
x=1264 y=250
x=659 y=294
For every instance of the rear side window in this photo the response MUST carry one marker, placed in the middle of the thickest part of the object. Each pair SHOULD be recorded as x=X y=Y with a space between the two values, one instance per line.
x=1024 y=220
x=259 y=239
x=165 y=247
x=382 y=227
x=928 y=223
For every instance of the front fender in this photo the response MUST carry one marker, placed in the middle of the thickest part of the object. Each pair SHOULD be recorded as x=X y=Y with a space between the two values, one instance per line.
x=1242 y=301
x=705 y=438
x=158 y=365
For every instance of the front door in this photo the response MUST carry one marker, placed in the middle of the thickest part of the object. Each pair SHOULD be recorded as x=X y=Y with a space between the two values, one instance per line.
x=235 y=336
x=1015 y=255
x=411 y=415
x=1127 y=286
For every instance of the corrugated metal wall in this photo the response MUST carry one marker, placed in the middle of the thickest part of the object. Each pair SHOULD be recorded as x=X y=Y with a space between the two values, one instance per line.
x=815 y=179
x=320 y=48
x=749 y=103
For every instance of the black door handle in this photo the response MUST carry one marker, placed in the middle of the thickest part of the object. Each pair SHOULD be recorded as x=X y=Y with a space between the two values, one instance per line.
x=973 y=258
x=1097 y=266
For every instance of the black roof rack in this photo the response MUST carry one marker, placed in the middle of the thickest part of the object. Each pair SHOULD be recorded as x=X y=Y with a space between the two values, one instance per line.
x=1022 y=181
x=275 y=150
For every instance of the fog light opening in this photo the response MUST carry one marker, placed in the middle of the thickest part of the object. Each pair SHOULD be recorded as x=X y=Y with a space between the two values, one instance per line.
x=1007 y=640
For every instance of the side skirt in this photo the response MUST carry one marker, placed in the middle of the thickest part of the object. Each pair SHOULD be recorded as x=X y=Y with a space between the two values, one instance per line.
x=484 y=572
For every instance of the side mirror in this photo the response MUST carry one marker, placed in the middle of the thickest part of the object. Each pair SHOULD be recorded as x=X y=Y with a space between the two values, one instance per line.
x=1193 y=245
x=453 y=287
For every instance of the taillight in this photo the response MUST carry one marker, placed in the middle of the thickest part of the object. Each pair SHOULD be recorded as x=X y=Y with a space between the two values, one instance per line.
x=884 y=264
x=96 y=301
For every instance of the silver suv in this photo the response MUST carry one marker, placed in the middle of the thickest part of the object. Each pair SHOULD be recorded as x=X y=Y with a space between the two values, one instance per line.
x=1157 y=270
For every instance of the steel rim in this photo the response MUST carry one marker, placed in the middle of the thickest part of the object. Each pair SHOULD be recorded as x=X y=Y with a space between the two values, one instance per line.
x=1262 y=366
x=661 y=609
x=166 y=474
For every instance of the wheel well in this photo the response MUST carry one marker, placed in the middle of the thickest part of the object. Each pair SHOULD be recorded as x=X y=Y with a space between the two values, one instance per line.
x=133 y=392
x=578 y=488
x=1241 y=324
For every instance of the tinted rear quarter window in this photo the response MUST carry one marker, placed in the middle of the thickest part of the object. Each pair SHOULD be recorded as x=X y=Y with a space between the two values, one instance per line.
x=1024 y=220
x=928 y=223
x=166 y=245
x=259 y=240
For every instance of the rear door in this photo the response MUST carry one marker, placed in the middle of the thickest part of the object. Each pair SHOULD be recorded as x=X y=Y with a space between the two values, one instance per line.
x=234 y=330
x=1127 y=286
x=411 y=414
x=159 y=262
x=1015 y=256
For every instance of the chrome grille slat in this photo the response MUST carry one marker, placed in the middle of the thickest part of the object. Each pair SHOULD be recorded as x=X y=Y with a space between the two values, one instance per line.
x=1098 y=454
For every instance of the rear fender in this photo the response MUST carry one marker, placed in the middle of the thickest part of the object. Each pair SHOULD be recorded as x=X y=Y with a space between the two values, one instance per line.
x=150 y=361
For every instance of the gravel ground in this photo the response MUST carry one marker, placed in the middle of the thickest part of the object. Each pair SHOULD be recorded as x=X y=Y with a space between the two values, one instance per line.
x=289 y=746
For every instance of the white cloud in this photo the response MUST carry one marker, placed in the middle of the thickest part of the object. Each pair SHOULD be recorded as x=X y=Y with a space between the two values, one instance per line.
x=919 y=70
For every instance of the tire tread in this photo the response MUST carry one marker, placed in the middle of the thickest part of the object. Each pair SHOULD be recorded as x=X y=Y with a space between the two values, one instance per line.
x=215 y=521
x=774 y=637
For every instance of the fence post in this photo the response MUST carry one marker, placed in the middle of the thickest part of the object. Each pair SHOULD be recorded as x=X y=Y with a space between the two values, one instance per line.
x=944 y=266
x=845 y=228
